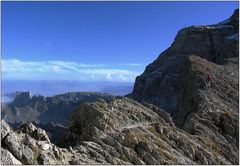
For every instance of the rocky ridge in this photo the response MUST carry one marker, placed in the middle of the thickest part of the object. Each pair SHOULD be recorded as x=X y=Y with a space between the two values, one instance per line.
x=116 y=133
x=126 y=132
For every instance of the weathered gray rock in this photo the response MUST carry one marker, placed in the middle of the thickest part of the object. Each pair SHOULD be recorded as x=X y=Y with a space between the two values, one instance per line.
x=40 y=134
x=29 y=141
x=8 y=159
x=32 y=146
x=45 y=146
x=57 y=152
x=75 y=161
x=27 y=155
x=5 y=129
x=23 y=153
x=151 y=140
x=28 y=128
x=95 y=119
x=35 y=132
x=12 y=143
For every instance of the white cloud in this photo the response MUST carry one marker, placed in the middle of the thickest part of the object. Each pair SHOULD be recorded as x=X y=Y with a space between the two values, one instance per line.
x=130 y=64
x=109 y=77
x=64 y=70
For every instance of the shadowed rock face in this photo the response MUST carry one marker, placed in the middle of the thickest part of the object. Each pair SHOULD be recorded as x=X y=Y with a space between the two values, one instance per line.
x=211 y=113
x=159 y=84
x=222 y=96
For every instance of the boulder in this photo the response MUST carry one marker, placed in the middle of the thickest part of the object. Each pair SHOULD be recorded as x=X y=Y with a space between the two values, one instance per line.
x=45 y=146
x=40 y=135
x=12 y=143
x=8 y=159
x=22 y=152
x=5 y=129
x=27 y=128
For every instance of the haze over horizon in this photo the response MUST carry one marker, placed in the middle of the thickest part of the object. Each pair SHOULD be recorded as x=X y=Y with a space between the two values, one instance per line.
x=93 y=41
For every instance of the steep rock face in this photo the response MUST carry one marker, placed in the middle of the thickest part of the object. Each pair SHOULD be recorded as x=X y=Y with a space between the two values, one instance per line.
x=159 y=84
x=176 y=82
x=211 y=113
x=223 y=93
x=22 y=98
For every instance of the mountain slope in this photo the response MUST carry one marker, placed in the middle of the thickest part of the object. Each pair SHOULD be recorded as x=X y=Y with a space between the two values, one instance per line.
x=121 y=131
x=159 y=84
x=124 y=131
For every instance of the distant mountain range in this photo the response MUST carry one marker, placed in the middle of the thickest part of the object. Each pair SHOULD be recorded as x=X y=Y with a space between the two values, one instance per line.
x=57 y=109
x=50 y=88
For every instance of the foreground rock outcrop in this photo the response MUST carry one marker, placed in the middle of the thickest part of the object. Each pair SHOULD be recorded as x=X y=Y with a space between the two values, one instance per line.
x=28 y=145
x=124 y=131
x=55 y=132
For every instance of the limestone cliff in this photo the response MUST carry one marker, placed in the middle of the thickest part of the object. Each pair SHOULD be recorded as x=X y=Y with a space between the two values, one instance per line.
x=159 y=84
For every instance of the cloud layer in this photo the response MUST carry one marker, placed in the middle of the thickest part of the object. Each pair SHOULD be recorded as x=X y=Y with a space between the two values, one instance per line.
x=14 y=69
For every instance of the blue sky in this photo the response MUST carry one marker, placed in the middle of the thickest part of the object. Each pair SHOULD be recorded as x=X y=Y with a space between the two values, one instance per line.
x=94 y=41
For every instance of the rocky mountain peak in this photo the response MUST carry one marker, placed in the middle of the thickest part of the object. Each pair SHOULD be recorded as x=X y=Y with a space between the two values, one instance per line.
x=234 y=19
x=22 y=98
x=159 y=84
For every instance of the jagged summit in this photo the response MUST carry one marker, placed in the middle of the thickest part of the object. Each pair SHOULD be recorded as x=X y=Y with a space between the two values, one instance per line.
x=159 y=84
